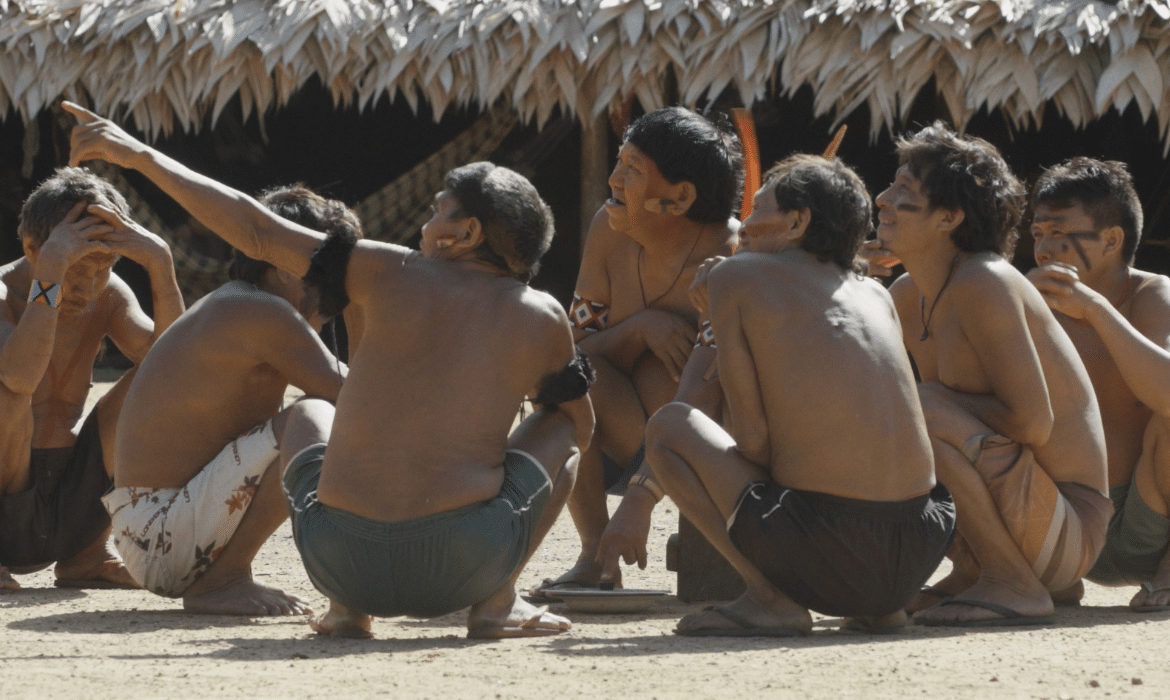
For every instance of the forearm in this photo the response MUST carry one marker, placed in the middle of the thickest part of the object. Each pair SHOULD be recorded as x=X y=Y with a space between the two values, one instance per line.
x=621 y=344
x=164 y=291
x=700 y=386
x=26 y=353
x=1144 y=365
x=237 y=218
x=1018 y=426
x=24 y=358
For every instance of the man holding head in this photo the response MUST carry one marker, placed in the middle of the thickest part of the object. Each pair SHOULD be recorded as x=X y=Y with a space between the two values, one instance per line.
x=422 y=503
x=58 y=304
x=1086 y=225
x=1013 y=420
x=674 y=187
x=197 y=478
x=822 y=495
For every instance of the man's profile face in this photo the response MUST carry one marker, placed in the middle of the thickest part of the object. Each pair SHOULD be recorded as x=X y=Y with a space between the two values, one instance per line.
x=1066 y=234
x=444 y=225
x=635 y=180
x=765 y=228
x=904 y=213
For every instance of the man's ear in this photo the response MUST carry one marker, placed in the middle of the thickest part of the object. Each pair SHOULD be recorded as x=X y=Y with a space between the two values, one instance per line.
x=685 y=195
x=800 y=221
x=472 y=236
x=951 y=219
x=1114 y=239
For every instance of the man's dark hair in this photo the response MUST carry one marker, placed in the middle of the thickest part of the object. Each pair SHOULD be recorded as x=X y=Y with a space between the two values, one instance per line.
x=299 y=205
x=688 y=147
x=838 y=204
x=517 y=224
x=1103 y=188
x=968 y=174
x=52 y=199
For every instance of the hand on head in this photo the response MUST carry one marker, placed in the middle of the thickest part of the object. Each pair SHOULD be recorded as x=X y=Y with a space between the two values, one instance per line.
x=76 y=236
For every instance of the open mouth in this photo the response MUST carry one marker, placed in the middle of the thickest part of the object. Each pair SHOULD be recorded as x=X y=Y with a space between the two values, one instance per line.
x=614 y=202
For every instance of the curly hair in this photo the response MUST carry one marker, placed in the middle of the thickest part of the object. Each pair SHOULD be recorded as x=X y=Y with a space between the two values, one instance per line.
x=1103 y=188
x=837 y=200
x=967 y=173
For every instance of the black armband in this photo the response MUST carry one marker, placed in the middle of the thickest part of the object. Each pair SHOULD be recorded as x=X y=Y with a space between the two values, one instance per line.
x=568 y=384
x=325 y=280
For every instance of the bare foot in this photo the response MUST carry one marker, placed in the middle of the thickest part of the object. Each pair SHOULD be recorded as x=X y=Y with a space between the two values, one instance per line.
x=491 y=620
x=340 y=621
x=244 y=596
x=109 y=573
x=745 y=616
x=7 y=583
x=586 y=573
x=991 y=602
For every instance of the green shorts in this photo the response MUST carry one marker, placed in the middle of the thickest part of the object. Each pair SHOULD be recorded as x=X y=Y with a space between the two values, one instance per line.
x=1137 y=540
x=425 y=567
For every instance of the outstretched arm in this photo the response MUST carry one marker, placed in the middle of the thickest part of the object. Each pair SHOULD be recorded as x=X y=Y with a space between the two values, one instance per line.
x=237 y=218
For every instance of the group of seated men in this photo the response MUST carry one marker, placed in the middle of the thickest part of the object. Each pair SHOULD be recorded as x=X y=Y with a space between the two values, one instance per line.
x=752 y=372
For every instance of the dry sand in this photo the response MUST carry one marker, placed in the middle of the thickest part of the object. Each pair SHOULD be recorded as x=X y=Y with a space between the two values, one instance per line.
x=130 y=644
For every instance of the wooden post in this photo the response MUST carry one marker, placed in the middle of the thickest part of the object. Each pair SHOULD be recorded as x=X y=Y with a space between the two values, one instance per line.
x=594 y=170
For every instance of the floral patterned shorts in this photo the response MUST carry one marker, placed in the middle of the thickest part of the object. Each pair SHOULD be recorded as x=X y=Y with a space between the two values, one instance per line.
x=168 y=537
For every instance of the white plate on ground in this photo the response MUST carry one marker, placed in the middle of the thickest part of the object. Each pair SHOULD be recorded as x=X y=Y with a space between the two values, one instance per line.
x=620 y=600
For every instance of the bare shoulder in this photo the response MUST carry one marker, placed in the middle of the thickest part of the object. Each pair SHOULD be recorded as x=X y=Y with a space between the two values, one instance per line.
x=602 y=244
x=990 y=277
x=903 y=291
x=1150 y=310
x=370 y=261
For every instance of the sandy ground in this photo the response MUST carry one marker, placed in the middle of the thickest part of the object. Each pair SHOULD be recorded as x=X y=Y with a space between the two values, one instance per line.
x=130 y=644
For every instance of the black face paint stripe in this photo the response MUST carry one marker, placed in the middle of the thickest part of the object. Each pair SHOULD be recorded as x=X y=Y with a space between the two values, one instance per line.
x=1076 y=244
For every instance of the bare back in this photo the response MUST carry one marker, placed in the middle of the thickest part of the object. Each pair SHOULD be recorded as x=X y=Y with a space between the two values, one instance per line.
x=447 y=356
x=220 y=369
x=987 y=332
x=822 y=347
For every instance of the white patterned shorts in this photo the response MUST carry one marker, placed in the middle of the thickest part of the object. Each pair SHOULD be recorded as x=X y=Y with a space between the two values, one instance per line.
x=169 y=537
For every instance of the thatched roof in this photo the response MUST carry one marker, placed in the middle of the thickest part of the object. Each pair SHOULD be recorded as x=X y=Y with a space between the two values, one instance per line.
x=168 y=63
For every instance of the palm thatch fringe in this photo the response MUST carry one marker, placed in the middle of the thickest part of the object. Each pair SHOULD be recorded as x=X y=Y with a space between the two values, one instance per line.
x=168 y=63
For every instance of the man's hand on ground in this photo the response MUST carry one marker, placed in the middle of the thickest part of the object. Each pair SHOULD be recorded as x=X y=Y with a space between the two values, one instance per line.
x=95 y=138
x=669 y=337
x=1063 y=290
x=7 y=583
x=626 y=534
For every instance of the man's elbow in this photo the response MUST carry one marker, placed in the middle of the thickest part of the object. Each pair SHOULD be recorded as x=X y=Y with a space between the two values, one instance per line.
x=1036 y=428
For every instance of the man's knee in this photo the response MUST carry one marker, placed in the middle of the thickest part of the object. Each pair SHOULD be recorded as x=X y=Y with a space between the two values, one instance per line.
x=666 y=426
